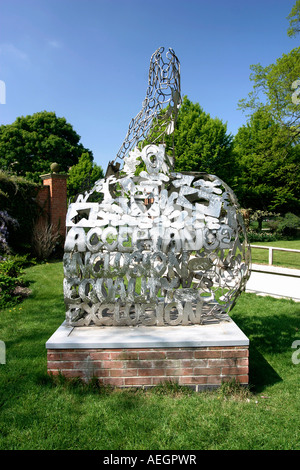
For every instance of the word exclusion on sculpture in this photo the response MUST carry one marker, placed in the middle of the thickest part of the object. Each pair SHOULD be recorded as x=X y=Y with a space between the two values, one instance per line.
x=161 y=248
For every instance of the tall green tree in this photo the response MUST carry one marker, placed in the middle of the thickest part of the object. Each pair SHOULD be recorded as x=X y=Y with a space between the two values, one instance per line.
x=268 y=147
x=32 y=143
x=268 y=178
x=294 y=20
x=275 y=89
x=83 y=175
x=201 y=143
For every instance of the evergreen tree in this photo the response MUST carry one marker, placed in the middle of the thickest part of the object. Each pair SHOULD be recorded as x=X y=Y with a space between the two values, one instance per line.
x=83 y=175
x=201 y=143
x=268 y=166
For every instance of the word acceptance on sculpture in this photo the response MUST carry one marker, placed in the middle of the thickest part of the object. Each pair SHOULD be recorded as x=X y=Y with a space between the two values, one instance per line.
x=149 y=246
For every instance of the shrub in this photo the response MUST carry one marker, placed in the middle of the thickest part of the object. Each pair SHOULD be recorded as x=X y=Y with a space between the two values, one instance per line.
x=45 y=239
x=18 y=199
x=12 y=284
x=280 y=228
x=253 y=236
x=6 y=224
x=288 y=225
x=273 y=224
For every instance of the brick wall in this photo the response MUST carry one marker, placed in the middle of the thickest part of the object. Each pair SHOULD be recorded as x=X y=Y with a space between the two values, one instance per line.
x=195 y=367
x=57 y=208
x=43 y=200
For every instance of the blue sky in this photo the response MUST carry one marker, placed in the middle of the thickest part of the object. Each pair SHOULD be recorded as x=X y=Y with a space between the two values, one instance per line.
x=88 y=60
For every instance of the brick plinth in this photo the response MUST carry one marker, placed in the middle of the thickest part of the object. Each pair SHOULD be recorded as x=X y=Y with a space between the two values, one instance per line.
x=199 y=356
x=199 y=368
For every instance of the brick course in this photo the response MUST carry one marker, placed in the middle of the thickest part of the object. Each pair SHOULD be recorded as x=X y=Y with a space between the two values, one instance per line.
x=195 y=367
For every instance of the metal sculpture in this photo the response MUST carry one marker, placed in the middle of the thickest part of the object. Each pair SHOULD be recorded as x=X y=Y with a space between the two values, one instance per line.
x=157 y=247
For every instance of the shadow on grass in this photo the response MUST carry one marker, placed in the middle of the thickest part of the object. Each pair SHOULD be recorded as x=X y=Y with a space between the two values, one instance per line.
x=271 y=334
x=261 y=373
x=271 y=326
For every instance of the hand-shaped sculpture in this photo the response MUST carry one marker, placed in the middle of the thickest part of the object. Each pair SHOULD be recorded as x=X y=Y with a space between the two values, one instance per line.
x=160 y=248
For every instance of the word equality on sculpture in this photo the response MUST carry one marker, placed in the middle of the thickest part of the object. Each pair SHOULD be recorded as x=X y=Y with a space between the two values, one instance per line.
x=160 y=248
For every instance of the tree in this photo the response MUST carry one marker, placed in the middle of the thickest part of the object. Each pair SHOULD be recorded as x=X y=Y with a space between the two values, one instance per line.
x=83 y=175
x=201 y=143
x=268 y=147
x=273 y=90
x=276 y=87
x=32 y=143
x=294 y=20
x=268 y=178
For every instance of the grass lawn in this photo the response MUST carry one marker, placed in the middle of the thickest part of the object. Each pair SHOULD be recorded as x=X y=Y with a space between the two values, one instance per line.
x=37 y=412
x=280 y=258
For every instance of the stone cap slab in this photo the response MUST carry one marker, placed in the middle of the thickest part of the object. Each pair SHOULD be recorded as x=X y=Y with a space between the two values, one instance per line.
x=225 y=333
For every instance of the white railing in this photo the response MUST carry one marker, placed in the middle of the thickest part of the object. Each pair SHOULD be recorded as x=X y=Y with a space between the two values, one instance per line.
x=273 y=248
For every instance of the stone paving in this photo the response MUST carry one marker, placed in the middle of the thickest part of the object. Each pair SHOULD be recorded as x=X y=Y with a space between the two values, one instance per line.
x=275 y=281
